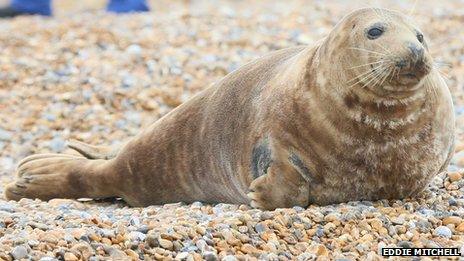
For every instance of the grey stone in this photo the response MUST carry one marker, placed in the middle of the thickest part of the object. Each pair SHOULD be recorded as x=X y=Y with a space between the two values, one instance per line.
x=48 y=258
x=137 y=236
x=134 y=49
x=5 y=135
x=210 y=256
x=405 y=244
x=229 y=258
x=57 y=144
x=7 y=207
x=443 y=231
x=19 y=252
x=260 y=228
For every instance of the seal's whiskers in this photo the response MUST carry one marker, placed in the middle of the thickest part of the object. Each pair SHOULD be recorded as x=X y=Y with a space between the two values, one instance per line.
x=366 y=50
x=431 y=87
x=385 y=77
x=442 y=64
x=442 y=73
x=369 y=75
x=365 y=74
x=384 y=48
x=375 y=77
x=366 y=64
x=411 y=12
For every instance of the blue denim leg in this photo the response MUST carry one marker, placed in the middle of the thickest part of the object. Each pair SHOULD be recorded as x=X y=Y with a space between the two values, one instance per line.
x=127 y=6
x=40 y=7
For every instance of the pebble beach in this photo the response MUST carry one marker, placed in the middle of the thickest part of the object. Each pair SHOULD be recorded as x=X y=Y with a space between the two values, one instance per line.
x=100 y=78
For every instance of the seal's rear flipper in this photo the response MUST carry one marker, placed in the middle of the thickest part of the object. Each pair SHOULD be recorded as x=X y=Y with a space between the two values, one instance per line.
x=91 y=151
x=47 y=176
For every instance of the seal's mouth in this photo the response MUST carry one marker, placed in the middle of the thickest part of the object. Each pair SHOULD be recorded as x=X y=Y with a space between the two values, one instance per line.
x=409 y=78
x=398 y=84
x=393 y=82
x=409 y=75
x=403 y=80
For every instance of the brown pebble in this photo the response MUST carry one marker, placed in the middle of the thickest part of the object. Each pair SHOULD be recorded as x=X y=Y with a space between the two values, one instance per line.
x=106 y=241
x=95 y=237
x=454 y=176
x=459 y=147
x=452 y=220
x=196 y=257
x=248 y=249
x=200 y=230
x=132 y=254
x=70 y=257
x=85 y=250
x=460 y=162
x=322 y=251
x=159 y=257
x=376 y=224
x=166 y=244
x=460 y=227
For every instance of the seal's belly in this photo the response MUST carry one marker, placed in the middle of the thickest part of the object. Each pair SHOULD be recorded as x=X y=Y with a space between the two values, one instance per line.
x=386 y=175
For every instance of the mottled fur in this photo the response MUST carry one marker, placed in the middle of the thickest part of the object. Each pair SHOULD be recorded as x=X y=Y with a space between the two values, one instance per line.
x=287 y=129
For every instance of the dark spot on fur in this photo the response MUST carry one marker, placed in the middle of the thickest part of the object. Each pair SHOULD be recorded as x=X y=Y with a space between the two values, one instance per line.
x=260 y=159
x=354 y=25
x=76 y=182
x=19 y=185
x=351 y=100
x=298 y=163
x=424 y=134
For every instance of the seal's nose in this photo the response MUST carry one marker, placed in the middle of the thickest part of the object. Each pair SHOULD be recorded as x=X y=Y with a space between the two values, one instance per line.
x=417 y=52
x=413 y=64
x=414 y=60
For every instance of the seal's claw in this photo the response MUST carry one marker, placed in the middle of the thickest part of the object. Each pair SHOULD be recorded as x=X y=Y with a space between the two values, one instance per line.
x=260 y=194
x=281 y=187
x=255 y=200
x=44 y=163
x=47 y=176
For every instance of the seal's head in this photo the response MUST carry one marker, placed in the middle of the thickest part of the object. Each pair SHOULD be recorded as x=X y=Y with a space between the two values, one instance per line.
x=382 y=51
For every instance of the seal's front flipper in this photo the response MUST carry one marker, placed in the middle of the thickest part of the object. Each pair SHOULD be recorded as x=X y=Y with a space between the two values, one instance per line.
x=281 y=187
x=47 y=176
x=91 y=151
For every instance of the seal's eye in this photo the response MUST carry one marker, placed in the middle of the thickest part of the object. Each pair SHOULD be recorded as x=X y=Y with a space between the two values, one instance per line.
x=420 y=37
x=374 y=33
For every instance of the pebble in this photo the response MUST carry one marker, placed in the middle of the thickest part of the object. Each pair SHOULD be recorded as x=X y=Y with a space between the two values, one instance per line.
x=48 y=258
x=182 y=255
x=137 y=236
x=210 y=256
x=454 y=176
x=229 y=258
x=134 y=49
x=405 y=244
x=70 y=257
x=460 y=227
x=452 y=220
x=443 y=231
x=19 y=252
x=5 y=135
x=166 y=244
x=57 y=144
x=7 y=207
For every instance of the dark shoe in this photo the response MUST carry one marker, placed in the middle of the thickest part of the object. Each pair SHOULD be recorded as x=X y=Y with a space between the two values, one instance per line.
x=8 y=12
x=127 y=6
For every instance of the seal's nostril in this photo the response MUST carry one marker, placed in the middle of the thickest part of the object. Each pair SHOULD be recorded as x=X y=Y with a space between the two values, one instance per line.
x=416 y=51
x=401 y=64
